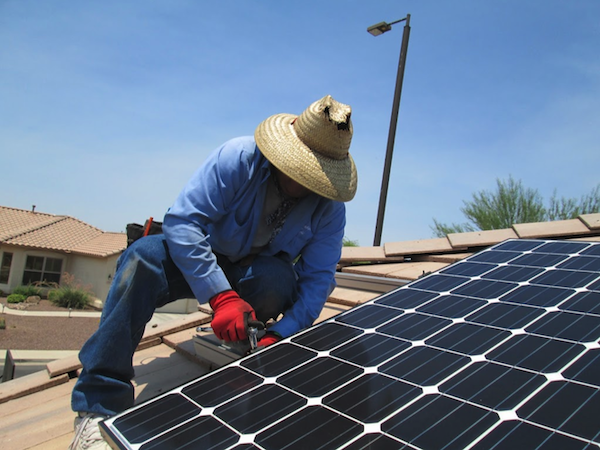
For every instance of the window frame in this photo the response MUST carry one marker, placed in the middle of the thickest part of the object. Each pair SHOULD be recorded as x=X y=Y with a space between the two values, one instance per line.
x=4 y=268
x=45 y=275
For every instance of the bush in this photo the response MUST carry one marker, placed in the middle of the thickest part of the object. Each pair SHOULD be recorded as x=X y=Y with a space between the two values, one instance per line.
x=70 y=294
x=67 y=297
x=27 y=291
x=16 y=298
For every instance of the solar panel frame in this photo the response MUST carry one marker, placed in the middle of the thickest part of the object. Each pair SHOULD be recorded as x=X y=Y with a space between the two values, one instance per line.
x=499 y=350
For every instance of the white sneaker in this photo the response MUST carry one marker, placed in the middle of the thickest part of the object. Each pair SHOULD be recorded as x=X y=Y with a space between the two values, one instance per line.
x=87 y=433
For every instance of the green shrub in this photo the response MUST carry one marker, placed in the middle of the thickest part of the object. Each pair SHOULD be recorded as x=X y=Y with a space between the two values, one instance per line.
x=53 y=295
x=67 y=297
x=70 y=294
x=2 y=323
x=27 y=291
x=16 y=298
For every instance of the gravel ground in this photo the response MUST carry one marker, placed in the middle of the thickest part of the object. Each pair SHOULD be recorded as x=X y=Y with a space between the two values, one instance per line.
x=44 y=333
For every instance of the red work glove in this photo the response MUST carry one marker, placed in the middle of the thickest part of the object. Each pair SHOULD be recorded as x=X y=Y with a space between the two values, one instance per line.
x=230 y=316
x=268 y=339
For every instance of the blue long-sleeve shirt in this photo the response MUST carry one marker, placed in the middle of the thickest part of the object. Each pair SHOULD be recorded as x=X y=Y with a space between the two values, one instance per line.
x=219 y=210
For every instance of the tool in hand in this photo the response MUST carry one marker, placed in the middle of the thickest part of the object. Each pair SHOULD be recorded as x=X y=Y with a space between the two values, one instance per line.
x=252 y=327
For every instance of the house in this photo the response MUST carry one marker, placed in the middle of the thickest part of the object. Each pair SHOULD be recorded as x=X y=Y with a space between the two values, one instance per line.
x=35 y=410
x=40 y=247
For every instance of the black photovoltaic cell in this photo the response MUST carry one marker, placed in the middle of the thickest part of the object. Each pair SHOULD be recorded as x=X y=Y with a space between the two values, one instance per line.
x=215 y=391
x=565 y=406
x=330 y=372
x=499 y=351
x=468 y=338
x=283 y=358
x=439 y=422
x=469 y=269
x=485 y=289
x=537 y=295
x=156 y=418
x=505 y=315
x=513 y=273
x=493 y=385
x=439 y=283
x=327 y=336
x=315 y=427
x=536 y=353
x=370 y=349
x=370 y=316
x=517 y=435
x=519 y=245
x=405 y=299
x=371 y=397
x=595 y=286
x=584 y=302
x=492 y=256
x=451 y=306
x=424 y=366
x=586 y=369
x=414 y=326
x=538 y=260
x=261 y=406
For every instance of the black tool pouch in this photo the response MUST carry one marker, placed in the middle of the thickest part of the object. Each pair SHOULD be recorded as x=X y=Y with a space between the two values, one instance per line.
x=136 y=231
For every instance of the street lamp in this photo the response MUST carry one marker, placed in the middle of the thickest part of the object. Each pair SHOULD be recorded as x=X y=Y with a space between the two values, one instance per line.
x=376 y=30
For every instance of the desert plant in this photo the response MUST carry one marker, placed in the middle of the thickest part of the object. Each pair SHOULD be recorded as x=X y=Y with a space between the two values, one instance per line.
x=27 y=290
x=71 y=293
x=349 y=243
x=512 y=203
x=16 y=298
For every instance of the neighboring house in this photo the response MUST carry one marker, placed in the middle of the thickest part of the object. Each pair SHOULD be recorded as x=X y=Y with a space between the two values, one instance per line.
x=36 y=247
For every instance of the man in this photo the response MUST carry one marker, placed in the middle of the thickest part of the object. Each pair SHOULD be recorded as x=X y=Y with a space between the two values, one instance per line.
x=257 y=232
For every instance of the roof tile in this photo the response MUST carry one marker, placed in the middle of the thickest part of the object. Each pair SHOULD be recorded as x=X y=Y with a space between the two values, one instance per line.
x=436 y=245
x=481 y=238
x=59 y=233
x=592 y=221
x=571 y=227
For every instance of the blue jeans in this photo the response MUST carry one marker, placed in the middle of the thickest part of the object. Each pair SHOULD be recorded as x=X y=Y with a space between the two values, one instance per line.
x=147 y=278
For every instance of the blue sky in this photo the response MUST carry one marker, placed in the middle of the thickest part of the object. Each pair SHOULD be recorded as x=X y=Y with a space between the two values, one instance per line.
x=107 y=107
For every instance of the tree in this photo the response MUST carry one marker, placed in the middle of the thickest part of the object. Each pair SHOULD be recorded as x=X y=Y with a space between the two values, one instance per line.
x=512 y=203
x=349 y=243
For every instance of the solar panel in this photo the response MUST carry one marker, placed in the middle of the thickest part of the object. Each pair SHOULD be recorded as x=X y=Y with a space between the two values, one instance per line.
x=498 y=351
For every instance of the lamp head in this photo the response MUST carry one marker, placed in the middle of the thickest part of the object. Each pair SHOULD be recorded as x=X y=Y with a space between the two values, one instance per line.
x=379 y=28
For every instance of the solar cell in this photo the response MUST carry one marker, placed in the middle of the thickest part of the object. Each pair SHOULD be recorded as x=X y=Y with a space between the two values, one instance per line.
x=505 y=315
x=585 y=302
x=499 y=351
x=537 y=295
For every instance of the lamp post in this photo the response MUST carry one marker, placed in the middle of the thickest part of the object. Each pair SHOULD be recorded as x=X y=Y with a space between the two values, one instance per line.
x=376 y=30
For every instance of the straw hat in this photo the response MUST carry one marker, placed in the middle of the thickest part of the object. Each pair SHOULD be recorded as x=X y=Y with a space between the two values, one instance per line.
x=312 y=148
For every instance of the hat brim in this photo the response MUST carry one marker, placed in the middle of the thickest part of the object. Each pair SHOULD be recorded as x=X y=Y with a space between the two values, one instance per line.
x=335 y=179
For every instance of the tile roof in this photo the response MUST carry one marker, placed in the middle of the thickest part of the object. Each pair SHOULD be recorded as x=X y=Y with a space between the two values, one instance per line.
x=59 y=233
x=37 y=412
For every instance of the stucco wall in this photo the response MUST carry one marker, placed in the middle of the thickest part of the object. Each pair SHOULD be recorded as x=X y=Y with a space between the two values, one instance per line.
x=97 y=273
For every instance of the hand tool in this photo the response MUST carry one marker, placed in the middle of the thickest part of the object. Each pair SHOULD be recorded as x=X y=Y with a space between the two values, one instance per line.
x=252 y=327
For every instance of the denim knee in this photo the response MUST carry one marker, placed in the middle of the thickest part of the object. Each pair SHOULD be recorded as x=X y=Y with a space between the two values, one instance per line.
x=269 y=286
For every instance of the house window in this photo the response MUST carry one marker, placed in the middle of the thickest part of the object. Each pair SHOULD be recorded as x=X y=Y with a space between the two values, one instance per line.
x=40 y=268
x=5 y=267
